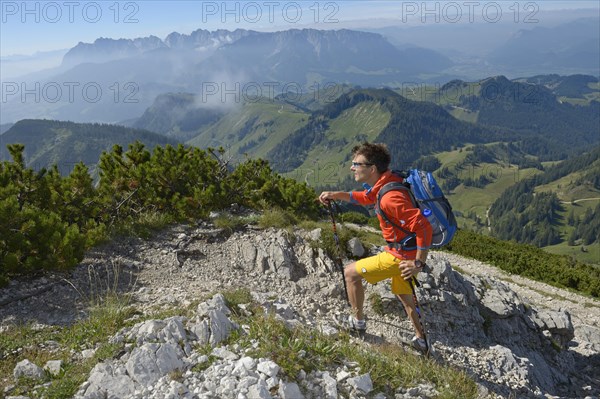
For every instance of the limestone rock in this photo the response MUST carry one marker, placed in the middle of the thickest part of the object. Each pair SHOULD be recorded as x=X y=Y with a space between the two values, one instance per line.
x=496 y=328
x=150 y=361
x=25 y=368
x=108 y=379
x=356 y=248
x=361 y=383
x=53 y=367
x=289 y=390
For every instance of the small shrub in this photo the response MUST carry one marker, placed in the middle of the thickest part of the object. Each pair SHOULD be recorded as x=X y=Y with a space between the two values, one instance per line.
x=144 y=226
x=331 y=247
x=229 y=223
x=373 y=222
x=354 y=217
x=376 y=303
x=176 y=375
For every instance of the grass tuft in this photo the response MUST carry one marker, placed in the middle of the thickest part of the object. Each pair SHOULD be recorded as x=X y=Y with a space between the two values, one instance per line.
x=144 y=226
x=277 y=218
x=376 y=304
x=230 y=223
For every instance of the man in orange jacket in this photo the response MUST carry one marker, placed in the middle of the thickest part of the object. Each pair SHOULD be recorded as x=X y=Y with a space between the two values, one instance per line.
x=370 y=165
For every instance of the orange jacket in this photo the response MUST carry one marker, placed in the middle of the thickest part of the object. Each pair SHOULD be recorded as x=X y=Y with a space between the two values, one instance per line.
x=399 y=208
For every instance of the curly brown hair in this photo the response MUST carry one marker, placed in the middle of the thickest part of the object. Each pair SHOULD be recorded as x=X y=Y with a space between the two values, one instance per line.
x=375 y=153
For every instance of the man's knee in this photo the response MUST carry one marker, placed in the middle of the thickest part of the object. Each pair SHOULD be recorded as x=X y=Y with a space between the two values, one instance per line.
x=350 y=273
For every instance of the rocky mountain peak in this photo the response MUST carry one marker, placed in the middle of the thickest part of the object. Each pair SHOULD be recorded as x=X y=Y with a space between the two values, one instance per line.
x=202 y=38
x=106 y=49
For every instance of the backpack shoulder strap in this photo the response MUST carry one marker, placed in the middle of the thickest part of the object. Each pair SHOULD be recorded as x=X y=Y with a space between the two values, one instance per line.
x=397 y=186
x=393 y=186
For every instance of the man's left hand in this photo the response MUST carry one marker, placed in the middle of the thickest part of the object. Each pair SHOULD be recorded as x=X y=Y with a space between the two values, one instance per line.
x=408 y=269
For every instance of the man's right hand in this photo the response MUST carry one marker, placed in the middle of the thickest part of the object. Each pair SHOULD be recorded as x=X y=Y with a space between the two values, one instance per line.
x=326 y=196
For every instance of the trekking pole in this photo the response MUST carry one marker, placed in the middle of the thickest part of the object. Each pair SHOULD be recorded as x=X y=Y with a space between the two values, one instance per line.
x=339 y=249
x=418 y=309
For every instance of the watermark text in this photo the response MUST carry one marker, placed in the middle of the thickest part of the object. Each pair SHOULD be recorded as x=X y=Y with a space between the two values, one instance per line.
x=71 y=92
x=69 y=12
x=469 y=11
x=250 y=92
x=253 y=12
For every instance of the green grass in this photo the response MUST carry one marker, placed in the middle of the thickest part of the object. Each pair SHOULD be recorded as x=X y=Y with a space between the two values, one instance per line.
x=566 y=189
x=93 y=332
x=376 y=303
x=266 y=122
x=326 y=165
x=344 y=233
x=237 y=297
x=434 y=94
x=464 y=114
x=576 y=101
x=450 y=158
x=584 y=253
x=277 y=218
x=576 y=198
x=144 y=226
x=389 y=366
x=476 y=201
x=471 y=204
x=587 y=98
x=229 y=223
x=370 y=238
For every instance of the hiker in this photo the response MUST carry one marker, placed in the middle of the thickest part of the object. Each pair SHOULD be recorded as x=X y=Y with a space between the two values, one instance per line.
x=370 y=165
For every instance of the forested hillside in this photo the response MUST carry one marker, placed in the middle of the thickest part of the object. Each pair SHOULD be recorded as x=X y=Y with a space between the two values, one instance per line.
x=414 y=129
x=525 y=214
x=177 y=115
x=549 y=127
x=251 y=128
x=49 y=142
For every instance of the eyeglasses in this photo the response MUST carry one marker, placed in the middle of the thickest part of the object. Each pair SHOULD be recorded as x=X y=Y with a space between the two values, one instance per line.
x=355 y=164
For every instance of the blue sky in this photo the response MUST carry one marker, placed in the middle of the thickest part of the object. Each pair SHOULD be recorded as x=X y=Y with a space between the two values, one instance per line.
x=31 y=26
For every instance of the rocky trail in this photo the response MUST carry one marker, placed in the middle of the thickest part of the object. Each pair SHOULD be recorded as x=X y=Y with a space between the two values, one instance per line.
x=516 y=337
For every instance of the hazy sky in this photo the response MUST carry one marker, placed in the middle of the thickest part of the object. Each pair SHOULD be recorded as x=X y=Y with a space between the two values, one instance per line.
x=31 y=26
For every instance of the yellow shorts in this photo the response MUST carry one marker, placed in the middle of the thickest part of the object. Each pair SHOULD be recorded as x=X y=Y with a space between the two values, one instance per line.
x=381 y=266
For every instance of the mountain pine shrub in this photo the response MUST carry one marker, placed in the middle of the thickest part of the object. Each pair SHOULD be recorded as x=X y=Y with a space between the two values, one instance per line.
x=49 y=220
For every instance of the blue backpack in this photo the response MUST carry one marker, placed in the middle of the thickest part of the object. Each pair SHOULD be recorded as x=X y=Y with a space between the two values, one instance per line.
x=426 y=195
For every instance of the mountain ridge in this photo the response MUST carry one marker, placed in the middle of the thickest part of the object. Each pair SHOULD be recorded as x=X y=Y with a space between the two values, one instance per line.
x=130 y=78
x=551 y=47
x=107 y=49
x=49 y=142
x=404 y=129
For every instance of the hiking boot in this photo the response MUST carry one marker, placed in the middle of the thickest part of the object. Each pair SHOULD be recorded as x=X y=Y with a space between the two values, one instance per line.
x=351 y=324
x=419 y=344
